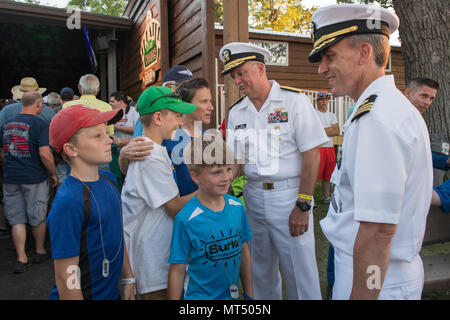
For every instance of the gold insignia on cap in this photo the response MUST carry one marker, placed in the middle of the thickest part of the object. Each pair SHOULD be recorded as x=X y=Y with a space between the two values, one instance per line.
x=313 y=31
x=226 y=55
x=321 y=42
x=237 y=62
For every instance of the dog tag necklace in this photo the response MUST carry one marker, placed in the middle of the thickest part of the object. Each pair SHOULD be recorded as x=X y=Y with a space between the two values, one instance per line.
x=234 y=290
x=106 y=262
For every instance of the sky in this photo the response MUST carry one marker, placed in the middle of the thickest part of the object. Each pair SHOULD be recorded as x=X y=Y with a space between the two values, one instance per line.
x=306 y=3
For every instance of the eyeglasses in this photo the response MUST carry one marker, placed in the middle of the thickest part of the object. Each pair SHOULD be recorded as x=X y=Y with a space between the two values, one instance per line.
x=323 y=95
x=170 y=95
x=241 y=73
x=171 y=84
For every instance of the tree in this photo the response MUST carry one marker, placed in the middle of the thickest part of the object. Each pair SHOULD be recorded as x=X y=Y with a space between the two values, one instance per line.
x=424 y=26
x=383 y=3
x=109 y=7
x=279 y=15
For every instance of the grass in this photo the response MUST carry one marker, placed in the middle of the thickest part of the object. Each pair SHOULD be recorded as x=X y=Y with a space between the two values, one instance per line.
x=322 y=246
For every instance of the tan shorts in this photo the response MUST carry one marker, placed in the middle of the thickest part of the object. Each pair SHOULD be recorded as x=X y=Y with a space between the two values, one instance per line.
x=26 y=203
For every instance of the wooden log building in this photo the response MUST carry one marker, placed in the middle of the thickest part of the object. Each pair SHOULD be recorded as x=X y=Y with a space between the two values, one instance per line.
x=185 y=33
x=133 y=51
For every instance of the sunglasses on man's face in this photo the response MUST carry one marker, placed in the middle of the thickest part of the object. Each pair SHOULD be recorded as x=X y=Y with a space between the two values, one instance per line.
x=323 y=95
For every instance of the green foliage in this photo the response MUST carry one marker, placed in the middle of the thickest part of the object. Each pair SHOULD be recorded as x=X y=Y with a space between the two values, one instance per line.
x=109 y=7
x=218 y=11
x=279 y=15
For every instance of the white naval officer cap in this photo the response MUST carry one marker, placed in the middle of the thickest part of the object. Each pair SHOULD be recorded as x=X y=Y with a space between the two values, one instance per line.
x=234 y=54
x=334 y=22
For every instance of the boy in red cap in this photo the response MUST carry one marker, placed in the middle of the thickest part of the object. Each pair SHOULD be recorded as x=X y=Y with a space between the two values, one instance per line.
x=85 y=221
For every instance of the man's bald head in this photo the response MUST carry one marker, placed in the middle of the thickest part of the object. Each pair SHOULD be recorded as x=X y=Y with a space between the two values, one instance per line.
x=30 y=98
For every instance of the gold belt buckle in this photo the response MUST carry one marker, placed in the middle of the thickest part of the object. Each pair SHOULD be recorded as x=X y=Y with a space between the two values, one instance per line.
x=268 y=185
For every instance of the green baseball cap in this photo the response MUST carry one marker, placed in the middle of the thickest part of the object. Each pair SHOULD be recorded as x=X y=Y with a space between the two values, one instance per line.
x=157 y=98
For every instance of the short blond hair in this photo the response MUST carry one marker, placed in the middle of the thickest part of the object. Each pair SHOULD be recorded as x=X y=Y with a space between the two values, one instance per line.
x=207 y=150
x=73 y=140
x=147 y=119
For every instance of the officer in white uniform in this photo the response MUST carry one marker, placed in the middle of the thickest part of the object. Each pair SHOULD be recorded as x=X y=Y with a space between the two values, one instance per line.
x=278 y=132
x=376 y=220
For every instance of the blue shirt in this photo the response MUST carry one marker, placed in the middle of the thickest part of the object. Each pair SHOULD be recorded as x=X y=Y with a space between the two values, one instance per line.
x=439 y=161
x=210 y=242
x=22 y=136
x=443 y=190
x=175 y=150
x=71 y=235
x=9 y=111
x=138 y=129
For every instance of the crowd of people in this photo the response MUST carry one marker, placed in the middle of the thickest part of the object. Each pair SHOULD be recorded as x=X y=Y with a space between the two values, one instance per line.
x=139 y=193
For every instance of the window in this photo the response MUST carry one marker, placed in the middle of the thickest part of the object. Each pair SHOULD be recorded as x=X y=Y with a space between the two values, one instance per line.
x=278 y=51
x=388 y=66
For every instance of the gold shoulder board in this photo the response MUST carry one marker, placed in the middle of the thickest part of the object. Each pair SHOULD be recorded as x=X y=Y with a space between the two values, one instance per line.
x=365 y=107
x=291 y=89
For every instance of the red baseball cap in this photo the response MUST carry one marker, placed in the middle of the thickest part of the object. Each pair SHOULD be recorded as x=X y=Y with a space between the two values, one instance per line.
x=67 y=121
x=323 y=95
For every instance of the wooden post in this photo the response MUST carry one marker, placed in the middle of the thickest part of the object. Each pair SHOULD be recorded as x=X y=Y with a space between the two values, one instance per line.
x=235 y=29
x=165 y=53
x=208 y=51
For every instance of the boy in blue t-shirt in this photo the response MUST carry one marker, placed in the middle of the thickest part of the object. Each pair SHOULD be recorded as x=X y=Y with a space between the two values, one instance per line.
x=211 y=232
x=85 y=221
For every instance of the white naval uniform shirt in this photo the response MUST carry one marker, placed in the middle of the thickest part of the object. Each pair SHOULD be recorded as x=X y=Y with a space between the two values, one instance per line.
x=385 y=175
x=274 y=137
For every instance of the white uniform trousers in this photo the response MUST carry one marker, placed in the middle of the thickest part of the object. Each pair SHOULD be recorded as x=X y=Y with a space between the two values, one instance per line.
x=272 y=247
x=403 y=281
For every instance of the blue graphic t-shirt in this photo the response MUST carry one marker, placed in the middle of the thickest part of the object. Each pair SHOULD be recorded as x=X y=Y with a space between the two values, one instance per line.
x=73 y=235
x=22 y=136
x=210 y=242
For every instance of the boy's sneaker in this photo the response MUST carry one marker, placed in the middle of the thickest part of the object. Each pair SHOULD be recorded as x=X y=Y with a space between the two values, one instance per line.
x=39 y=257
x=21 y=267
x=326 y=200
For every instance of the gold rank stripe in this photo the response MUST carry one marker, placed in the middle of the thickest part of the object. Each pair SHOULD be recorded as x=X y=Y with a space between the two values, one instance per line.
x=326 y=42
x=236 y=62
x=363 y=109
x=292 y=89
x=364 y=105
x=318 y=44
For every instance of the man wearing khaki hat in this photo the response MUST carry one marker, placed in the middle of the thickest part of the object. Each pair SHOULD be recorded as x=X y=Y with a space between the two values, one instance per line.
x=377 y=217
x=27 y=84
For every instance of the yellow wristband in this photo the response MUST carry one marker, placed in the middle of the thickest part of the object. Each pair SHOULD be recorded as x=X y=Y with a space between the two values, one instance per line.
x=118 y=142
x=305 y=196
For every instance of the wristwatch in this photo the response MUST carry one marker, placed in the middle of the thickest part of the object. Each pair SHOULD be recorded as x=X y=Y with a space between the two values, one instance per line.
x=304 y=206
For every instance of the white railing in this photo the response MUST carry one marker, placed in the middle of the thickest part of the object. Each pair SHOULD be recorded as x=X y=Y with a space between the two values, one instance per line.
x=339 y=106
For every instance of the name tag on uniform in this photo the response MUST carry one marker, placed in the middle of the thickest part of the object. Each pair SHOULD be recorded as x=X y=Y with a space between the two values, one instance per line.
x=240 y=126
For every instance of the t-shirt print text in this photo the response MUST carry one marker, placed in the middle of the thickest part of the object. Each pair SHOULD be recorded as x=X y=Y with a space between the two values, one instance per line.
x=17 y=135
x=224 y=248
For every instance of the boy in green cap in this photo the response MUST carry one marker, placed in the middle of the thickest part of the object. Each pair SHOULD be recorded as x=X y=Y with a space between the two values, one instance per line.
x=150 y=195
